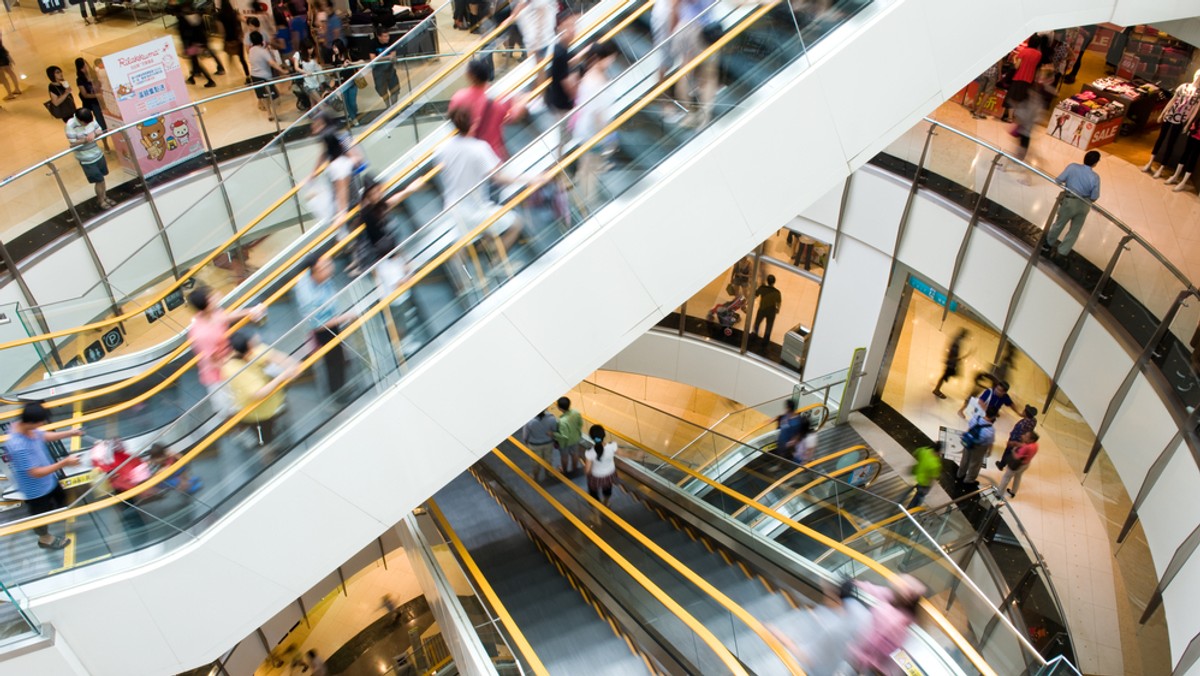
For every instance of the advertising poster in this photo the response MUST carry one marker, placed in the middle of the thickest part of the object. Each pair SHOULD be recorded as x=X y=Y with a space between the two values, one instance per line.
x=1081 y=132
x=146 y=80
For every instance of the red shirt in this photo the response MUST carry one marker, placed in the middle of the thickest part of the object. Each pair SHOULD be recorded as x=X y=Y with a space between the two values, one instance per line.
x=487 y=120
x=1030 y=58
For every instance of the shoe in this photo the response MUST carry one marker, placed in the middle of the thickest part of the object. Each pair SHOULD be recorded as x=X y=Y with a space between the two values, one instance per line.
x=196 y=484
x=977 y=116
x=191 y=80
x=999 y=465
x=55 y=544
x=1180 y=187
x=1010 y=493
x=939 y=395
x=10 y=97
x=220 y=71
x=246 y=81
x=210 y=84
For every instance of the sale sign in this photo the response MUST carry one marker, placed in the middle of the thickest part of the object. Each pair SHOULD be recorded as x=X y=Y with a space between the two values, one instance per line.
x=146 y=82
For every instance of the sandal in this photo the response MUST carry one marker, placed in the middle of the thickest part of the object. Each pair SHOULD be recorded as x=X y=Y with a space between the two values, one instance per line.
x=57 y=543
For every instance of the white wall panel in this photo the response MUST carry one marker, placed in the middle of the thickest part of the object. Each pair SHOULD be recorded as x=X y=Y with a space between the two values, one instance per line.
x=1139 y=432
x=988 y=277
x=852 y=296
x=123 y=231
x=873 y=210
x=825 y=210
x=931 y=238
x=1180 y=601
x=1093 y=372
x=1043 y=320
x=198 y=218
x=1166 y=514
x=255 y=187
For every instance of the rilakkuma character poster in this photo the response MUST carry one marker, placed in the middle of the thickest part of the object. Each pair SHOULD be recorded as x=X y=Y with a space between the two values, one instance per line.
x=149 y=88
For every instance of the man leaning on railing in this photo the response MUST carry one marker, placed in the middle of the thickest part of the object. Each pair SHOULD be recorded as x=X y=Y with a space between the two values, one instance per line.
x=1082 y=180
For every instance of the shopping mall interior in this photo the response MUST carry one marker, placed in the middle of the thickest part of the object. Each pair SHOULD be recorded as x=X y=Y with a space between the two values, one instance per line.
x=698 y=379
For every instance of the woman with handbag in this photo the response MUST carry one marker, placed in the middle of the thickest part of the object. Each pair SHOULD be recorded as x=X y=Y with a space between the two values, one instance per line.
x=89 y=95
x=62 y=102
x=339 y=57
x=1019 y=463
x=195 y=42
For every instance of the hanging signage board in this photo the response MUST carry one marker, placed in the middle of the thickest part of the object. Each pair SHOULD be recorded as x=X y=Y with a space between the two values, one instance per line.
x=146 y=80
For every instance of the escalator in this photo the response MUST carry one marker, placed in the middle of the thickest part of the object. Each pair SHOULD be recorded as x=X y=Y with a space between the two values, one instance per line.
x=757 y=581
x=399 y=399
x=110 y=397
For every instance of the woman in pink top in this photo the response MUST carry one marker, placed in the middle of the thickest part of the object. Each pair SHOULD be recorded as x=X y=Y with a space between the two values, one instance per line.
x=1021 y=458
x=896 y=611
x=210 y=340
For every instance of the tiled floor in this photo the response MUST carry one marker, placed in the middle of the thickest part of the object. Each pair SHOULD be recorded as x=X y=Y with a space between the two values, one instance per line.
x=36 y=40
x=1053 y=504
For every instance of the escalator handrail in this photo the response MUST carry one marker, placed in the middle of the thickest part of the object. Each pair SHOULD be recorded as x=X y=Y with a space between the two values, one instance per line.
x=292 y=260
x=401 y=106
x=806 y=467
x=719 y=649
x=927 y=607
x=690 y=575
x=435 y=263
x=837 y=473
x=493 y=599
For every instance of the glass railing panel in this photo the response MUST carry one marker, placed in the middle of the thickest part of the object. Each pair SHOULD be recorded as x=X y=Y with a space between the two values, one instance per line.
x=17 y=621
x=1141 y=293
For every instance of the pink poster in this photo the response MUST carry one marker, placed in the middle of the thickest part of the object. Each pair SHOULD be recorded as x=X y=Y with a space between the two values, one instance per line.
x=146 y=80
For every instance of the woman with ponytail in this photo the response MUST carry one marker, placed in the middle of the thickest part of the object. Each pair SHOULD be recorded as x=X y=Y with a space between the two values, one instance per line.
x=600 y=465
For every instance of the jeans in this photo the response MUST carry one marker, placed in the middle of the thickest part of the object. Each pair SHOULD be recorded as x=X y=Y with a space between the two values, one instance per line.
x=350 y=98
x=1074 y=210
x=919 y=497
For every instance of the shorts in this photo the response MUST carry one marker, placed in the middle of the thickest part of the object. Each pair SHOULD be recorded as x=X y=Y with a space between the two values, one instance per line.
x=95 y=171
x=264 y=91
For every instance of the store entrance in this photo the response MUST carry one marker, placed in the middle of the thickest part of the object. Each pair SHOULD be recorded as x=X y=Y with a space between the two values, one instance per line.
x=1073 y=518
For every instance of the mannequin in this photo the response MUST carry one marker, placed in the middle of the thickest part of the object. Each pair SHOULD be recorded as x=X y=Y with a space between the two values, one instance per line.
x=1175 y=118
x=1190 y=154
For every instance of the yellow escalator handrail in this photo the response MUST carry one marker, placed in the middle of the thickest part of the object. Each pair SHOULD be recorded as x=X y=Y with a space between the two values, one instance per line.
x=79 y=419
x=713 y=459
x=441 y=663
x=840 y=472
x=262 y=283
x=808 y=466
x=417 y=277
x=688 y=574
x=824 y=503
x=881 y=524
x=928 y=608
x=485 y=588
x=719 y=649
x=408 y=100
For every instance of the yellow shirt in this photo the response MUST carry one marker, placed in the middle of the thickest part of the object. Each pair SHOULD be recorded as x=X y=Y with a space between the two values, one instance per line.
x=246 y=378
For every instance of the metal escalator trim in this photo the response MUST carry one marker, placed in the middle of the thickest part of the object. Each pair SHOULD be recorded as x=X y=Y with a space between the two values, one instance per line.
x=930 y=610
x=719 y=649
x=445 y=661
x=848 y=469
x=411 y=281
x=802 y=468
x=317 y=241
x=485 y=588
x=766 y=447
x=688 y=574
x=880 y=524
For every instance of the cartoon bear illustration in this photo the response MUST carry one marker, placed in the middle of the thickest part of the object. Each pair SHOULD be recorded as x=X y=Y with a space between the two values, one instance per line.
x=181 y=132
x=153 y=133
x=123 y=91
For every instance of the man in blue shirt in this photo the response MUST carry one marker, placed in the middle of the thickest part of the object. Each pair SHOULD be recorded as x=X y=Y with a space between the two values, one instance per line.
x=977 y=443
x=34 y=471
x=1081 y=180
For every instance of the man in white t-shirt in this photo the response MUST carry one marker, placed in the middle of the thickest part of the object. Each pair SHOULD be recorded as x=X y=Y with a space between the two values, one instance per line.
x=465 y=165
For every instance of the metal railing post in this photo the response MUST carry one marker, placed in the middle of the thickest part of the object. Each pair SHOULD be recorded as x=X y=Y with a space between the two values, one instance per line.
x=1073 y=336
x=87 y=240
x=1019 y=292
x=841 y=217
x=1118 y=398
x=908 y=204
x=158 y=222
x=966 y=240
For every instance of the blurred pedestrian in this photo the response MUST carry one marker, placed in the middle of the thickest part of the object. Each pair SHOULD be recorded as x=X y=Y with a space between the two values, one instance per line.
x=35 y=472
x=564 y=80
x=263 y=68
x=568 y=438
x=535 y=21
x=926 y=471
x=488 y=116
x=161 y=458
x=600 y=465
x=315 y=292
x=89 y=95
x=208 y=334
x=954 y=359
x=316 y=665
x=231 y=26
x=791 y=429
x=8 y=77
x=594 y=110
x=194 y=36
x=252 y=385
x=991 y=400
x=893 y=614
x=344 y=79
x=1018 y=463
x=538 y=436
x=690 y=30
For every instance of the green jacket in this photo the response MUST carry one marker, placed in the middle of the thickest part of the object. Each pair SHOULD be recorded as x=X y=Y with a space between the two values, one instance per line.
x=570 y=429
x=928 y=467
